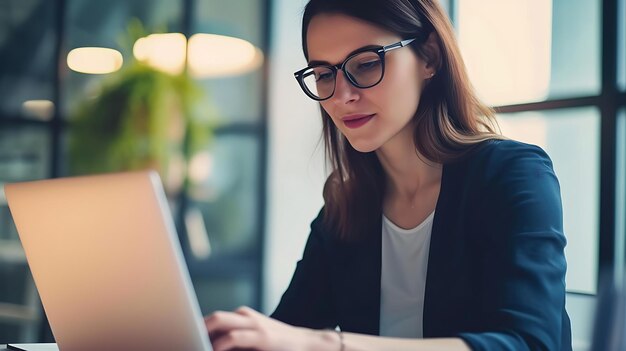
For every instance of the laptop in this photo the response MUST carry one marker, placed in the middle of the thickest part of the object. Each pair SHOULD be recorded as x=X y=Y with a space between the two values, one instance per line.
x=107 y=263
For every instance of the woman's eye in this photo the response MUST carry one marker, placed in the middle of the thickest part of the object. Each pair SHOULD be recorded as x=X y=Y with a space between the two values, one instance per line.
x=324 y=77
x=368 y=65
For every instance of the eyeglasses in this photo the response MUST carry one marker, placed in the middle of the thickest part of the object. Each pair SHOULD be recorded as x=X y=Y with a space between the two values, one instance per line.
x=364 y=69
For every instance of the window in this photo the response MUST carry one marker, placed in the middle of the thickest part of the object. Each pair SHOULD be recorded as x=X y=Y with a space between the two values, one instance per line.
x=27 y=48
x=524 y=51
x=620 y=191
x=236 y=99
x=232 y=191
x=621 y=42
x=24 y=153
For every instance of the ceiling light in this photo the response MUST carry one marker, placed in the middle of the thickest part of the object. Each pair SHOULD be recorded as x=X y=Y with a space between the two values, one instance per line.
x=39 y=109
x=165 y=52
x=94 y=60
x=213 y=55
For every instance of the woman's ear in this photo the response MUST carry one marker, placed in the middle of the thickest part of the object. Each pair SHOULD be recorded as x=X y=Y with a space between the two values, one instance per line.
x=432 y=53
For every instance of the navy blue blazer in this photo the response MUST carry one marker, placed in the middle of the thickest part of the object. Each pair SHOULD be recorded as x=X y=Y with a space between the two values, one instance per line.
x=496 y=267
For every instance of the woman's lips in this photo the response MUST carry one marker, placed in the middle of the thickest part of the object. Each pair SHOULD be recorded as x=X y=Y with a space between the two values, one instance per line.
x=356 y=121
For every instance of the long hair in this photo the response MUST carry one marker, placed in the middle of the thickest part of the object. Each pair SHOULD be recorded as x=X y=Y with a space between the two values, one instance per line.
x=449 y=120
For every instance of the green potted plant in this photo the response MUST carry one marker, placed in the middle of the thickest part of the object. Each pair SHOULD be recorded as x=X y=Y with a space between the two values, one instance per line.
x=141 y=118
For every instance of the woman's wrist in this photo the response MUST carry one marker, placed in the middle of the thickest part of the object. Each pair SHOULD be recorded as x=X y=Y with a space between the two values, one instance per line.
x=327 y=340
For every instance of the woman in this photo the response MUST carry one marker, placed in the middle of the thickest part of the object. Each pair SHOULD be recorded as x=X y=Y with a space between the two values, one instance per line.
x=436 y=233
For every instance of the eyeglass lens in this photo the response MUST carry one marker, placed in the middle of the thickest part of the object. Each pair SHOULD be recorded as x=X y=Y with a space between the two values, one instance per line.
x=362 y=70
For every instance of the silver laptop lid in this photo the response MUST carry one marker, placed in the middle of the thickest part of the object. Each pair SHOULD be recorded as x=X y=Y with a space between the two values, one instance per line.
x=107 y=263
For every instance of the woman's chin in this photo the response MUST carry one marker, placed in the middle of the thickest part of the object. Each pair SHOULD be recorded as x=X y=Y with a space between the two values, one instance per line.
x=364 y=146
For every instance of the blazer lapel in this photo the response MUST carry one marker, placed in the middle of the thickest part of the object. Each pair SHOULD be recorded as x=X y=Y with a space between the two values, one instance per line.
x=358 y=279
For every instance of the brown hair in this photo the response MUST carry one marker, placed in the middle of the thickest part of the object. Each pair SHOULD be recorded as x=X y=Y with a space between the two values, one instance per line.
x=449 y=120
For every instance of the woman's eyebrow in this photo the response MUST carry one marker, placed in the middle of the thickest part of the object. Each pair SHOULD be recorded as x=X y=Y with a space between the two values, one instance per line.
x=363 y=48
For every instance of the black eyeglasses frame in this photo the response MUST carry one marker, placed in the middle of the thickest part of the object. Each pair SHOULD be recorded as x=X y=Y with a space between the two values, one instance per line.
x=381 y=51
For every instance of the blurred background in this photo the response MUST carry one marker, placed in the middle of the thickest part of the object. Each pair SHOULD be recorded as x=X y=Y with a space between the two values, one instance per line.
x=203 y=91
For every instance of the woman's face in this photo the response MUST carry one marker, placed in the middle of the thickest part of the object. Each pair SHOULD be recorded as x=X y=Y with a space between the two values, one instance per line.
x=389 y=106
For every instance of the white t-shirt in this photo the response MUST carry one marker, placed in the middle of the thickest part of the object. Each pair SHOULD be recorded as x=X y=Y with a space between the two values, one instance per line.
x=403 y=278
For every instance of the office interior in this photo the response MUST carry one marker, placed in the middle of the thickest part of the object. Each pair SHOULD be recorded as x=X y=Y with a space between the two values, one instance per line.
x=239 y=147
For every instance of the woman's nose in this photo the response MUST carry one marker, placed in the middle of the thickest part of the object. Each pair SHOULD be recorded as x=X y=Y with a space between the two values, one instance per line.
x=345 y=92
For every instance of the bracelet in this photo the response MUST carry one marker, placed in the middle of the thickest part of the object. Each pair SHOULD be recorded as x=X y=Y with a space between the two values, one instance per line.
x=341 y=345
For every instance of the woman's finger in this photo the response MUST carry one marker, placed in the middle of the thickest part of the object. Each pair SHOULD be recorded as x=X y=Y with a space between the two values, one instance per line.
x=247 y=311
x=224 y=321
x=238 y=339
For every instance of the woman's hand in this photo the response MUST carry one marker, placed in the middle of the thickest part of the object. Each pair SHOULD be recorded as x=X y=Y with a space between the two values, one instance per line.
x=247 y=329
x=250 y=330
